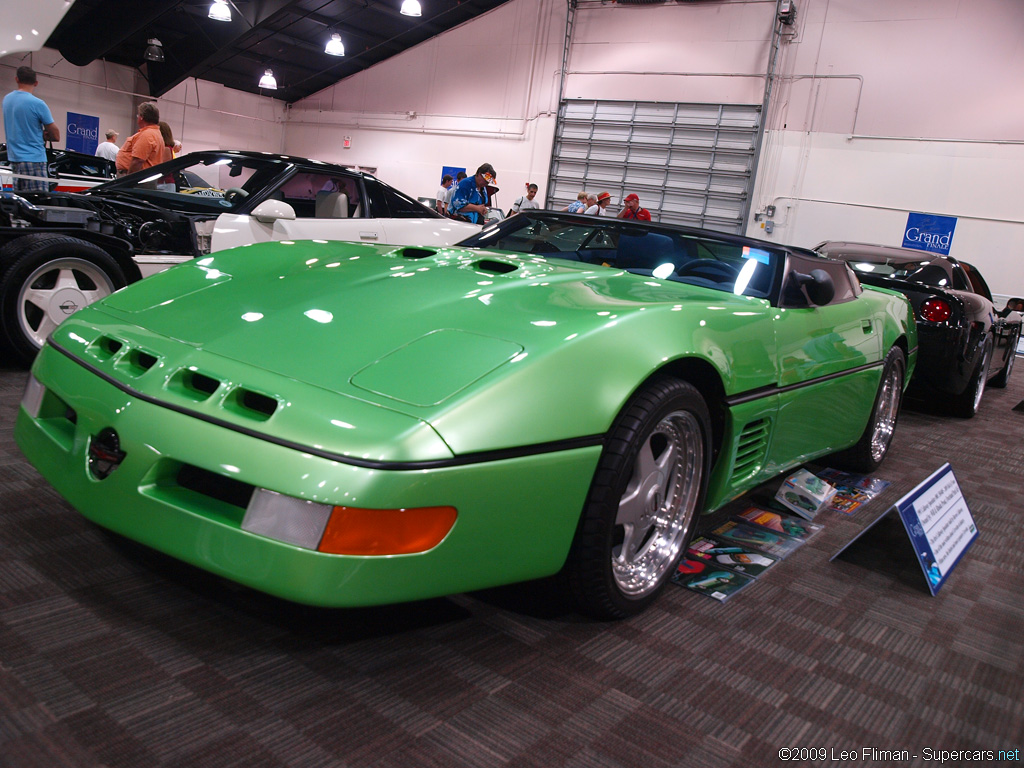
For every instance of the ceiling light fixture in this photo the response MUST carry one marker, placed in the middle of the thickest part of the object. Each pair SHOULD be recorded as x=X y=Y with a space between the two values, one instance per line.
x=334 y=46
x=411 y=8
x=154 y=50
x=220 y=11
x=268 y=81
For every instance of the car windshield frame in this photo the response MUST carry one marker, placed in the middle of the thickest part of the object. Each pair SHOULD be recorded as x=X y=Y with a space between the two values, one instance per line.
x=166 y=186
x=670 y=254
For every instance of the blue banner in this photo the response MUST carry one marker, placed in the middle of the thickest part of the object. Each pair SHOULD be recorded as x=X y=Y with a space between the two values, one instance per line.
x=83 y=134
x=450 y=170
x=927 y=232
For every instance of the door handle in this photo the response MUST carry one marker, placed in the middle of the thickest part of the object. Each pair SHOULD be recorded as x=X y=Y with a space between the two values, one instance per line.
x=866 y=325
x=369 y=235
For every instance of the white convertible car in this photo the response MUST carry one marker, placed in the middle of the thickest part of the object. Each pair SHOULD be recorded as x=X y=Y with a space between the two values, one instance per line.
x=60 y=252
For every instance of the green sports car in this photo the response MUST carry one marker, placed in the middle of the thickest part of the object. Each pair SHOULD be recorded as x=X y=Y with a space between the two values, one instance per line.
x=347 y=424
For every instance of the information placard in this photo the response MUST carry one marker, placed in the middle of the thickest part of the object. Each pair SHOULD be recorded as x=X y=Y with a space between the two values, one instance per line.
x=938 y=522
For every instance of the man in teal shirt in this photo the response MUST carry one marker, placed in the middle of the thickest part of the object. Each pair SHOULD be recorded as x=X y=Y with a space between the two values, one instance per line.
x=27 y=125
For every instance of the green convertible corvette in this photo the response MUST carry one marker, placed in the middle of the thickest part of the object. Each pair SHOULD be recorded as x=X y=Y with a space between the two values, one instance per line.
x=347 y=424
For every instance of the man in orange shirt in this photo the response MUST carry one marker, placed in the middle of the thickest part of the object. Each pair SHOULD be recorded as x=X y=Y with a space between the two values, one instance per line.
x=145 y=148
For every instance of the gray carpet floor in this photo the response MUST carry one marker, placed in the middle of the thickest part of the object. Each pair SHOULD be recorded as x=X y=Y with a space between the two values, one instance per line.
x=112 y=655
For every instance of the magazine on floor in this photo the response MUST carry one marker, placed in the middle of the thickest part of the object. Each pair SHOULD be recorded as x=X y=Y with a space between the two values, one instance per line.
x=852 y=491
x=754 y=536
x=709 y=579
x=734 y=556
x=780 y=522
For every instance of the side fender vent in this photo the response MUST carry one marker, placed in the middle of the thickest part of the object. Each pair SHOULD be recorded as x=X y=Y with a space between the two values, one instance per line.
x=750 y=449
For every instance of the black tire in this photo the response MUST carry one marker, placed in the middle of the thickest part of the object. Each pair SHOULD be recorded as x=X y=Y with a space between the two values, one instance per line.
x=45 y=278
x=870 y=450
x=1001 y=379
x=615 y=570
x=966 y=404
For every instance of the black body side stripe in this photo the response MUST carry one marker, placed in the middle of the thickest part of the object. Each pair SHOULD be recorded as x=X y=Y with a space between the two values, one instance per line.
x=456 y=461
x=757 y=394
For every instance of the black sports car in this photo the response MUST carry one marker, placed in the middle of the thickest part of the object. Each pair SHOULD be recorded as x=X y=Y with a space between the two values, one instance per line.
x=72 y=171
x=965 y=342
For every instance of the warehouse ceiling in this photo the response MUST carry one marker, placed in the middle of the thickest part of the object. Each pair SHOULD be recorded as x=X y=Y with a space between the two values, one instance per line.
x=286 y=36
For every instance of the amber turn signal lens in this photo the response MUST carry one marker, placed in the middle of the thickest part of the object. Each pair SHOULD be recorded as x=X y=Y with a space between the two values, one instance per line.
x=356 y=531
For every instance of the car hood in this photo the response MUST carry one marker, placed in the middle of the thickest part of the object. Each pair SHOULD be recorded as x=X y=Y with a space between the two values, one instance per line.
x=421 y=331
x=358 y=307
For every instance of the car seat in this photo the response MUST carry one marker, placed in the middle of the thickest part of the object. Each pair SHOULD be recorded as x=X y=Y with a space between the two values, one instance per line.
x=644 y=251
x=331 y=205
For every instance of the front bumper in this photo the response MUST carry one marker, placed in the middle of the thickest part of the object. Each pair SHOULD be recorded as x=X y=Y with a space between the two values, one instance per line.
x=516 y=517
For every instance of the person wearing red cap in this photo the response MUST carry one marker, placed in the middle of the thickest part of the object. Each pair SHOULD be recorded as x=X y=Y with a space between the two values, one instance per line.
x=597 y=209
x=633 y=209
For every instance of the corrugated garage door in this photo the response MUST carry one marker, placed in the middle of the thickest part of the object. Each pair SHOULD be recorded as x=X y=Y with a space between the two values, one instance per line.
x=689 y=163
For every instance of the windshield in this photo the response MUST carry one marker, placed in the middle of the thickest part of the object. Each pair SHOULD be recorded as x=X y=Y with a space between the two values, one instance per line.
x=218 y=182
x=661 y=252
x=925 y=271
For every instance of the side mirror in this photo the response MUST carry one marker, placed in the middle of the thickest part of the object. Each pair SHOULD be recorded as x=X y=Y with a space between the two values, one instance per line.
x=1013 y=305
x=270 y=211
x=816 y=287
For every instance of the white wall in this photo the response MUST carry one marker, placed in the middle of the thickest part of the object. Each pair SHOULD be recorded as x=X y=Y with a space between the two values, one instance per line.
x=202 y=115
x=483 y=92
x=881 y=107
x=887 y=107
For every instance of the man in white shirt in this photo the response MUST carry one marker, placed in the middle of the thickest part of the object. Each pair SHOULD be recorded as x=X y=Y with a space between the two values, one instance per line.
x=108 y=149
x=602 y=202
x=441 y=199
x=526 y=202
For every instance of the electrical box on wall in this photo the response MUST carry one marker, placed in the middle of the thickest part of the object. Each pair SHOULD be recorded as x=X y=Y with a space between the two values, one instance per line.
x=787 y=11
x=347 y=142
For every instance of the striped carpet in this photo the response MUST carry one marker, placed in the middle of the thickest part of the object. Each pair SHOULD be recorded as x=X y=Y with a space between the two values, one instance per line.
x=112 y=655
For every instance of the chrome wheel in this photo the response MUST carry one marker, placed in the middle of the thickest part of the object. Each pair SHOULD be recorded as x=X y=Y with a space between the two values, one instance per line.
x=982 y=380
x=657 y=508
x=54 y=291
x=886 y=412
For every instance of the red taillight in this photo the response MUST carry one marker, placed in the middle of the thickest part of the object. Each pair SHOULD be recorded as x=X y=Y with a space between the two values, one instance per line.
x=935 y=311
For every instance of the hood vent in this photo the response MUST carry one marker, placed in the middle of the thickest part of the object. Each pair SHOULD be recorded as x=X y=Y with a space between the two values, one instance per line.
x=497 y=267
x=417 y=253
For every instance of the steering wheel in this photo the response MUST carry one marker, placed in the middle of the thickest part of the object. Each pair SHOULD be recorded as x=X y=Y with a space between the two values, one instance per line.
x=235 y=194
x=709 y=269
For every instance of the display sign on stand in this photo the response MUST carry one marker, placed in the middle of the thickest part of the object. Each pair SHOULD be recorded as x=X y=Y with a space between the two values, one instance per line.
x=938 y=522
